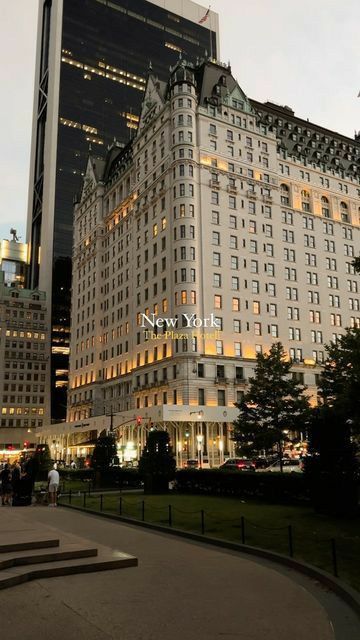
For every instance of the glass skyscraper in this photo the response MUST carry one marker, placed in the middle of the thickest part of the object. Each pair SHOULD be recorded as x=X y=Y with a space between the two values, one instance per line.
x=92 y=62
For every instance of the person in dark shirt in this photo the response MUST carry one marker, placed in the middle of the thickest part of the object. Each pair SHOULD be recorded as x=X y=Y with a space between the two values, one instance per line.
x=6 y=486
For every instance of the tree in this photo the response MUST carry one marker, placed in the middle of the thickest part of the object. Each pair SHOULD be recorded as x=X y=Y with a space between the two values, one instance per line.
x=339 y=385
x=274 y=403
x=104 y=452
x=333 y=428
x=157 y=463
x=41 y=462
x=356 y=264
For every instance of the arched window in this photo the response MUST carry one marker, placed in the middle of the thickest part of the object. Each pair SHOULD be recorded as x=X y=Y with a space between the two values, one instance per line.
x=344 y=212
x=284 y=194
x=325 y=207
x=305 y=200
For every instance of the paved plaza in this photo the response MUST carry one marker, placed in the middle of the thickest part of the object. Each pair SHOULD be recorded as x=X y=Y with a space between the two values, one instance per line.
x=180 y=590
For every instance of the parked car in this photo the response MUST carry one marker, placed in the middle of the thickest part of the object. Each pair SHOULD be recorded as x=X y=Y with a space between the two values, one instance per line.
x=289 y=466
x=237 y=464
x=193 y=463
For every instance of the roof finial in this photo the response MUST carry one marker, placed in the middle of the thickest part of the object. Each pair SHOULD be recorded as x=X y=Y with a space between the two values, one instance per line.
x=150 y=65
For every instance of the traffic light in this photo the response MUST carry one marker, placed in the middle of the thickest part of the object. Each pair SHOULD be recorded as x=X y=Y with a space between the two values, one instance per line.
x=138 y=420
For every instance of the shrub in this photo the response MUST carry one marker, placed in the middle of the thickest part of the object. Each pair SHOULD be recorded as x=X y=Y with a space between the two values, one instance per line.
x=290 y=488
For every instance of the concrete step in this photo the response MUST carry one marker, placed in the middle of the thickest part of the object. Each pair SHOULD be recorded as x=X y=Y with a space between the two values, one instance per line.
x=104 y=561
x=64 y=552
x=22 y=543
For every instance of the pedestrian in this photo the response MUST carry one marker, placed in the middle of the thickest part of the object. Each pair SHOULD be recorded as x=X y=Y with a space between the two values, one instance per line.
x=16 y=482
x=6 y=486
x=53 y=485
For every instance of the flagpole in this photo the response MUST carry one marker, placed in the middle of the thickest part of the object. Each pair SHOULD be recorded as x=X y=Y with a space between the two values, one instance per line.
x=211 y=44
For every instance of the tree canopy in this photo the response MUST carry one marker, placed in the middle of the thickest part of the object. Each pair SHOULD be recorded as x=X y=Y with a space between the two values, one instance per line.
x=104 y=451
x=339 y=385
x=274 y=403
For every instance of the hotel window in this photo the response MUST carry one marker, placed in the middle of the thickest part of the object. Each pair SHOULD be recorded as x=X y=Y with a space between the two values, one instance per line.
x=256 y=307
x=216 y=237
x=257 y=328
x=293 y=313
x=213 y=145
x=235 y=283
x=255 y=286
x=237 y=349
x=216 y=259
x=274 y=331
x=309 y=241
x=252 y=226
x=219 y=347
x=273 y=310
x=217 y=302
x=212 y=129
x=344 y=214
x=236 y=304
x=219 y=323
x=305 y=200
x=325 y=207
x=308 y=223
x=294 y=333
x=267 y=211
x=347 y=233
x=284 y=194
x=215 y=217
x=252 y=208
x=315 y=316
x=271 y=288
x=214 y=197
x=237 y=326
x=232 y=202
x=287 y=217
x=253 y=248
x=348 y=250
x=296 y=354
x=217 y=280
x=234 y=262
x=313 y=297
x=233 y=242
x=232 y=222
x=254 y=266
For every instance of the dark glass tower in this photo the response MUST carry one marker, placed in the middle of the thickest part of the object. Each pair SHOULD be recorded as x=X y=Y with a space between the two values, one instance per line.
x=92 y=61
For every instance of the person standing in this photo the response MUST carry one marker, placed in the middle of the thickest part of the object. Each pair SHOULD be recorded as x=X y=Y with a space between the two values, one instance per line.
x=53 y=485
x=6 y=486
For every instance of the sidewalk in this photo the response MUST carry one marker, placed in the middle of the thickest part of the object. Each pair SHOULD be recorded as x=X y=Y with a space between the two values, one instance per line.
x=180 y=591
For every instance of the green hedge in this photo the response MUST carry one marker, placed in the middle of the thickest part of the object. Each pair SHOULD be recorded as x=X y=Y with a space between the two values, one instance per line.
x=76 y=474
x=287 y=488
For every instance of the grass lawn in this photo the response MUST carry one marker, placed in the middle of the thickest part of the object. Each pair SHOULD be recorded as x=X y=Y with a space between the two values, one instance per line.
x=266 y=525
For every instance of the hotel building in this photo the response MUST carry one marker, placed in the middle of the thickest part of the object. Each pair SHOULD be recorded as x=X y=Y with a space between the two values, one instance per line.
x=220 y=208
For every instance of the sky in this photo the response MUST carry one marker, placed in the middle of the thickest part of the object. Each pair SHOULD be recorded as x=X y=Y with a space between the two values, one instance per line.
x=303 y=54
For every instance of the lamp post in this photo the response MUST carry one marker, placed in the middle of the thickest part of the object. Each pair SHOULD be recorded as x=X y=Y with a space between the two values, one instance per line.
x=200 y=439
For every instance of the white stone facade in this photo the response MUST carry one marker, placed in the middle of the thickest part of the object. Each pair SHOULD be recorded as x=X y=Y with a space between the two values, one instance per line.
x=202 y=215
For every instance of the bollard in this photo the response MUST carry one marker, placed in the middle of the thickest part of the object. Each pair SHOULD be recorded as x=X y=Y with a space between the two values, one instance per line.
x=120 y=506
x=101 y=502
x=334 y=558
x=170 y=516
x=242 y=530
x=290 y=538
x=143 y=510
x=84 y=500
x=202 y=521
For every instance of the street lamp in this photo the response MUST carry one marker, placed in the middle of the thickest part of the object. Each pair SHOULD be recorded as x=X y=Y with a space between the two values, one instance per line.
x=200 y=439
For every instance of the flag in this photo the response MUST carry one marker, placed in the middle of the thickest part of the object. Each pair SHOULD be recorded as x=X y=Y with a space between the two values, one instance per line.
x=205 y=17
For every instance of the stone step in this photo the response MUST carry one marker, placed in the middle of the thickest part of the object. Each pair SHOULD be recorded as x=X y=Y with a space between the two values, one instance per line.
x=65 y=552
x=104 y=561
x=27 y=543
